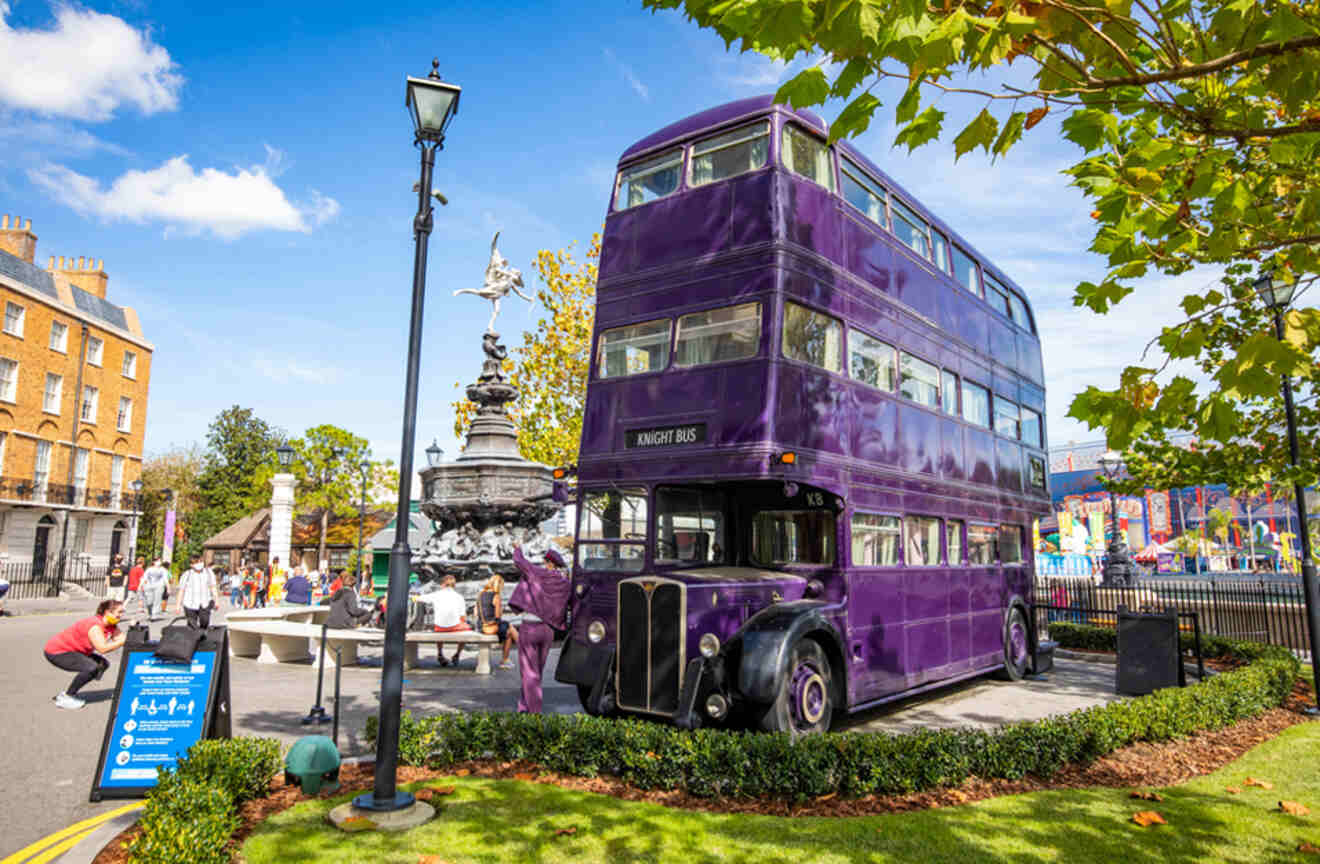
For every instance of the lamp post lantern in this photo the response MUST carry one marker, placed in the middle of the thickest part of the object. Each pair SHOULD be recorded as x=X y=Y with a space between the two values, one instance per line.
x=1277 y=297
x=284 y=453
x=434 y=454
x=1118 y=566
x=433 y=104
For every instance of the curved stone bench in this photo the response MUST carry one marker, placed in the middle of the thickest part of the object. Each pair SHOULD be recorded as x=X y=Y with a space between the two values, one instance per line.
x=279 y=641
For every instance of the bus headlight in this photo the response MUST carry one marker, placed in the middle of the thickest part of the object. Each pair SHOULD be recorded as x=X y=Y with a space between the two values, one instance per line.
x=716 y=706
x=709 y=645
x=596 y=630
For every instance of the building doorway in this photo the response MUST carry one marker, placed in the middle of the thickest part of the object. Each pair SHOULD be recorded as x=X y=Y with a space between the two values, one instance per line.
x=117 y=539
x=41 y=545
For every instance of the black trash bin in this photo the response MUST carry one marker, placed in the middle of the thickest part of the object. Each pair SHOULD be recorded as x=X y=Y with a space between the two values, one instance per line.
x=1149 y=656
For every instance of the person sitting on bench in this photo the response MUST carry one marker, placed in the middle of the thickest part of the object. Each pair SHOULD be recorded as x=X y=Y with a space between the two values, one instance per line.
x=344 y=610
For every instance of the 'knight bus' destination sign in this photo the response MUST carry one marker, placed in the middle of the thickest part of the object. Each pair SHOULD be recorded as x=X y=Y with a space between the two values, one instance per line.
x=665 y=436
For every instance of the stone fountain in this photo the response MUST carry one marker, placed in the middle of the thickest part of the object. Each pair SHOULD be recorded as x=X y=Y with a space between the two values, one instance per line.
x=490 y=498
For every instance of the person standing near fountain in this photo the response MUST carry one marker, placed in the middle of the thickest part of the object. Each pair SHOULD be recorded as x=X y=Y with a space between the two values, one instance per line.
x=542 y=596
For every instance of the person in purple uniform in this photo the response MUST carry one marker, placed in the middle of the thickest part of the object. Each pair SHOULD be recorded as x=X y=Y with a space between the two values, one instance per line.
x=542 y=597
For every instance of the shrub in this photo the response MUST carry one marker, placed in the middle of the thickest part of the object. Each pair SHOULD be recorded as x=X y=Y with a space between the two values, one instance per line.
x=718 y=763
x=243 y=767
x=185 y=820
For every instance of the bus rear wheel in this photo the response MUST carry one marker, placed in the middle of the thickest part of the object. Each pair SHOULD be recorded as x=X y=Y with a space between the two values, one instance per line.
x=1017 y=654
x=805 y=704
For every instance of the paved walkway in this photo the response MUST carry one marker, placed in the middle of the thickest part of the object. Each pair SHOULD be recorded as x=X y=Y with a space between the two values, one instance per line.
x=50 y=754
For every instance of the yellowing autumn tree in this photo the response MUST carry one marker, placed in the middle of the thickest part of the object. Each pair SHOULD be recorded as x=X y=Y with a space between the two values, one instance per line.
x=550 y=367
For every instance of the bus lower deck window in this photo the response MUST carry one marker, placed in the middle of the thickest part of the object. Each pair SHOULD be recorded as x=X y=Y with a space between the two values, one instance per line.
x=874 y=540
x=919 y=380
x=812 y=337
x=793 y=537
x=922 y=540
x=715 y=335
x=732 y=153
x=633 y=350
x=1010 y=544
x=649 y=180
x=953 y=540
x=689 y=526
x=1006 y=417
x=950 y=394
x=975 y=404
x=871 y=361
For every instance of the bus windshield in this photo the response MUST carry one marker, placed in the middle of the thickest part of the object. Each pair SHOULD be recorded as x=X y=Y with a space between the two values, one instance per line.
x=689 y=526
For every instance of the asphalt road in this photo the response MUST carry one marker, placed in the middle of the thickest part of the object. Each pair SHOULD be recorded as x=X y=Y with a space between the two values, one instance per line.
x=51 y=753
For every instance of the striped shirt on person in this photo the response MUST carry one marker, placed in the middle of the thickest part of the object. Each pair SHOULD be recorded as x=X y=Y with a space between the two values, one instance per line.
x=197 y=588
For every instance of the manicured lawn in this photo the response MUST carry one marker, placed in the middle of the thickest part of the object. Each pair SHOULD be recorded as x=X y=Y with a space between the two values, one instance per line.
x=499 y=821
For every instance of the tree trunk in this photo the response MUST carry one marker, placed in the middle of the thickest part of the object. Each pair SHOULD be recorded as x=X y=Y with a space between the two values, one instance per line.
x=320 y=547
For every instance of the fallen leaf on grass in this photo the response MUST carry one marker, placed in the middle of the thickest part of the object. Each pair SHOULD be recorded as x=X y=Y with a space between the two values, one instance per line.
x=564 y=832
x=1147 y=796
x=1308 y=848
x=1148 y=817
x=522 y=776
x=356 y=823
x=1293 y=808
x=431 y=859
x=1232 y=790
x=1263 y=784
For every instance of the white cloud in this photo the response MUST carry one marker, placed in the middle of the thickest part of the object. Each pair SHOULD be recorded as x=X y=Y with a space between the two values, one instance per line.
x=227 y=204
x=628 y=75
x=85 y=67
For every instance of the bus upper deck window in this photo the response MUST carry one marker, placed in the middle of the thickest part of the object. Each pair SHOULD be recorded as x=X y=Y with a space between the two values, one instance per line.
x=996 y=295
x=649 y=180
x=941 y=251
x=964 y=269
x=1018 y=311
x=715 y=335
x=864 y=194
x=871 y=361
x=1031 y=427
x=812 y=337
x=950 y=393
x=975 y=404
x=919 y=380
x=744 y=149
x=807 y=155
x=911 y=228
x=634 y=349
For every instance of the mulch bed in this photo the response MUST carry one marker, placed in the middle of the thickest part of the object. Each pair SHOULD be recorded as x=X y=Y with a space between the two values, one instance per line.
x=1144 y=764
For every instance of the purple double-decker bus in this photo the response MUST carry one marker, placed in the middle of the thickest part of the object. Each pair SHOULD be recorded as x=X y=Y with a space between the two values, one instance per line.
x=812 y=448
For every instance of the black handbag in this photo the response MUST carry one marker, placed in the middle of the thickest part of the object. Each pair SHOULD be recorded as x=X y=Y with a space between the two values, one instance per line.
x=178 y=643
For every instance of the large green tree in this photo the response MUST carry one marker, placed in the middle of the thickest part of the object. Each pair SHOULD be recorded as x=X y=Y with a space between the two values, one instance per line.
x=327 y=471
x=176 y=470
x=1198 y=125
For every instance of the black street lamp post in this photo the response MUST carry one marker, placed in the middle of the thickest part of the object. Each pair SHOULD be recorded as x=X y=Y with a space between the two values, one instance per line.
x=1277 y=297
x=433 y=104
x=1118 y=571
x=136 y=486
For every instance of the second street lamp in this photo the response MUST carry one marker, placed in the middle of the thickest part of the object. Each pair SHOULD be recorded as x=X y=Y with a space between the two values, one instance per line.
x=1277 y=297
x=1118 y=567
x=433 y=103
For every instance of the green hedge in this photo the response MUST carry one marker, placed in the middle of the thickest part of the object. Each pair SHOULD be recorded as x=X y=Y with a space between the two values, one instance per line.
x=1084 y=637
x=193 y=810
x=718 y=763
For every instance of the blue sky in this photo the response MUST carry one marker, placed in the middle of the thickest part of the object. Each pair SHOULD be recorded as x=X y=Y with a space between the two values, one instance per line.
x=245 y=171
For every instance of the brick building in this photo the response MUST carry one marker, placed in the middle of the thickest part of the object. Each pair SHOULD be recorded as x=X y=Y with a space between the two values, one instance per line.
x=74 y=371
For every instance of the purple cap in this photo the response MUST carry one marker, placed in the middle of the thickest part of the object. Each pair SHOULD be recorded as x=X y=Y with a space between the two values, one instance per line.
x=554 y=557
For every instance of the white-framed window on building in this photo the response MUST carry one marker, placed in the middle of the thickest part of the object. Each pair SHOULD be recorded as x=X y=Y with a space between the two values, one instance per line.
x=50 y=397
x=130 y=364
x=8 y=379
x=116 y=479
x=14 y=315
x=41 y=470
x=81 y=459
x=95 y=350
x=124 y=420
x=90 y=396
x=82 y=534
x=59 y=337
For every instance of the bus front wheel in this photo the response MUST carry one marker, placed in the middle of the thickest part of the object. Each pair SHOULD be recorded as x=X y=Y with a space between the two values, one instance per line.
x=1017 y=654
x=805 y=704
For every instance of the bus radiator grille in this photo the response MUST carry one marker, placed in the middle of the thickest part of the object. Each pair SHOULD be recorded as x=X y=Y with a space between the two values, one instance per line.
x=650 y=643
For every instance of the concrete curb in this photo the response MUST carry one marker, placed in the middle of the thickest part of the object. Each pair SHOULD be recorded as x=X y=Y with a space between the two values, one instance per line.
x=92 y=844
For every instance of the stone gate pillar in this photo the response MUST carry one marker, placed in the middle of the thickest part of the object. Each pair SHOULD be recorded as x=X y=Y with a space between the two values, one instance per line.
x=281 y=517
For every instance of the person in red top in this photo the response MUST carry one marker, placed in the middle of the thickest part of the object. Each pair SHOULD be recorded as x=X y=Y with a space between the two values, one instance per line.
x=79 y=649
x=135 y=586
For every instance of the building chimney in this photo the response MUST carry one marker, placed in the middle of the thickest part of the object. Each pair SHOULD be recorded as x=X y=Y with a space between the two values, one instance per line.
x=86 y=273
x=18 y=240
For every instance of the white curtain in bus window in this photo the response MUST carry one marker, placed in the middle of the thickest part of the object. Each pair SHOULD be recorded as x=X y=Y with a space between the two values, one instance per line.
x=807 y=155
x=865 y=195
x=649 y=180
x=981 y=543
x=730 y=333
x=874 y=540
x=911 y=229
x=922 y=540
x=950 y=393
x=634 y=349
x=737 y=152
x=1010 y=544
x=689 y=526
x=941 y=251
x=811 y=337
x=953 y=539
x=919 y=380
x=1006 y=417
x=793 y=537
x=871 y=361
x=1031 y=427
x=964 y=270
x=996 y=295
x=975 y=404
x=1017 y=310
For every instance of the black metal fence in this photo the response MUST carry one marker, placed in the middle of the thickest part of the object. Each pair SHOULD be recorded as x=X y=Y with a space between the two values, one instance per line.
x=43 y=578
x=1254 y=610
